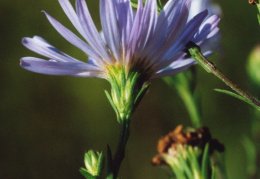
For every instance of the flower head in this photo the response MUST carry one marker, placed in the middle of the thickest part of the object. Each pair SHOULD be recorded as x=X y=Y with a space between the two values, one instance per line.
x=140 y=43
x=144 y=40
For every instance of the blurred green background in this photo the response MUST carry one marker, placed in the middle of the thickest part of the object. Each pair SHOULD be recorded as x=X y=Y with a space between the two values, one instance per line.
x=48 y=122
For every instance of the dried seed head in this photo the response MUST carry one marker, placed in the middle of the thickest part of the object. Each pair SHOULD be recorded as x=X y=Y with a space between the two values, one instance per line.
x=253 y=2
x=180 y=137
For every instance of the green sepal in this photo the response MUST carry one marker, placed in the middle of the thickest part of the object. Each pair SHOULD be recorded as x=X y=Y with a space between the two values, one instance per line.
x=127 y=88
x=237 y=96
x=85 y=173
x=205 y=162
x=112 y=104
x=141 y=93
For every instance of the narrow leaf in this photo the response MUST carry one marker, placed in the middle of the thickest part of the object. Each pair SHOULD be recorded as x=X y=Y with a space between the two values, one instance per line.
x=205 y=161
x=237 y=96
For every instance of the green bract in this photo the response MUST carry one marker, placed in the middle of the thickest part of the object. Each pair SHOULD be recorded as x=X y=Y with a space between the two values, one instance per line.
x=189 y=162
x=127 y=88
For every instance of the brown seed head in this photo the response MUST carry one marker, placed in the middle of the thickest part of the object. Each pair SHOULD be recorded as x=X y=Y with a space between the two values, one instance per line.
x=253 y=2
x=192 y=137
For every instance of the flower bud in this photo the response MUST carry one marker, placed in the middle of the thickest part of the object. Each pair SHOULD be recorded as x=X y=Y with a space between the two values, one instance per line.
x=253 y=66
x=93 y=163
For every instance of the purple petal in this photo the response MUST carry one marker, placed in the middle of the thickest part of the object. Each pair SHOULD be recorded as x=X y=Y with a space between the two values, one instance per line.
x=42 y=47
x=208 y=29
x=71 y=37
x=190 y=29
x=175 y=68
x=110 y=26
x=174 y=17
x=135 y=32
x=71 y=14
x=52 y=67
x=125 y=21
x=90 y=31
x=149 y=21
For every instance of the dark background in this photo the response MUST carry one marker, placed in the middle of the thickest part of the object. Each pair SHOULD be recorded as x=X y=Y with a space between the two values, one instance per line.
x=48 y=122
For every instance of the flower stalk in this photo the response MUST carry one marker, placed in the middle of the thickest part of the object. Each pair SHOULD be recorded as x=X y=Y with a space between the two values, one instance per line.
x=181 y=83
x=120 y=152
x=210 y=67
x=114 y=163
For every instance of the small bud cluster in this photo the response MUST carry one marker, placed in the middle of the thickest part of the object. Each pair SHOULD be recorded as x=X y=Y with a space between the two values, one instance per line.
x=93 y=163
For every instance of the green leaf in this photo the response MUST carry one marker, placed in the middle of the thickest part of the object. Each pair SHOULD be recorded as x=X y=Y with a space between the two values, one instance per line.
x=184 y=85
x=237 y=96
x=251 y=154
x=213 y=170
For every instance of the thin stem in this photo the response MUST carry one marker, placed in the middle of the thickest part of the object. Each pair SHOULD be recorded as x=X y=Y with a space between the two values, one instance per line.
x=120 y=152
x=211 y=68
x=190 y=106
x=186 y=96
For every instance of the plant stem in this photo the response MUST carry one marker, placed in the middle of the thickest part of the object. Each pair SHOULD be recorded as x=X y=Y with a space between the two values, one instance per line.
x=190 y=105
x=185 y=93
x=195 y=52
x=120 y=152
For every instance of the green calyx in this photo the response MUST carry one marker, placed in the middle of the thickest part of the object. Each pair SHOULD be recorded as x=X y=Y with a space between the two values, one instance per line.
x=127 y=88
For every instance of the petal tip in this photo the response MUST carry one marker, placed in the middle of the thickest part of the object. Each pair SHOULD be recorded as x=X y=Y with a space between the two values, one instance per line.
x=24 y=63
x=24 y=40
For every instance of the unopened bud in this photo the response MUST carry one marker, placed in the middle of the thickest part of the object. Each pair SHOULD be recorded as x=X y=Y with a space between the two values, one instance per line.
x=253 y=65
x=93 y=163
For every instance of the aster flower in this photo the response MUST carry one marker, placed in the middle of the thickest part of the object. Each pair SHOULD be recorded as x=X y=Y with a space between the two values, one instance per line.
x=133 y=48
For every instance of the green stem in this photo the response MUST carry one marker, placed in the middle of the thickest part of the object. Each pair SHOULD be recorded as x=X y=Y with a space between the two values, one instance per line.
x=187 y=98
x=195 y=52
x=120 y=152
x=190 y=106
